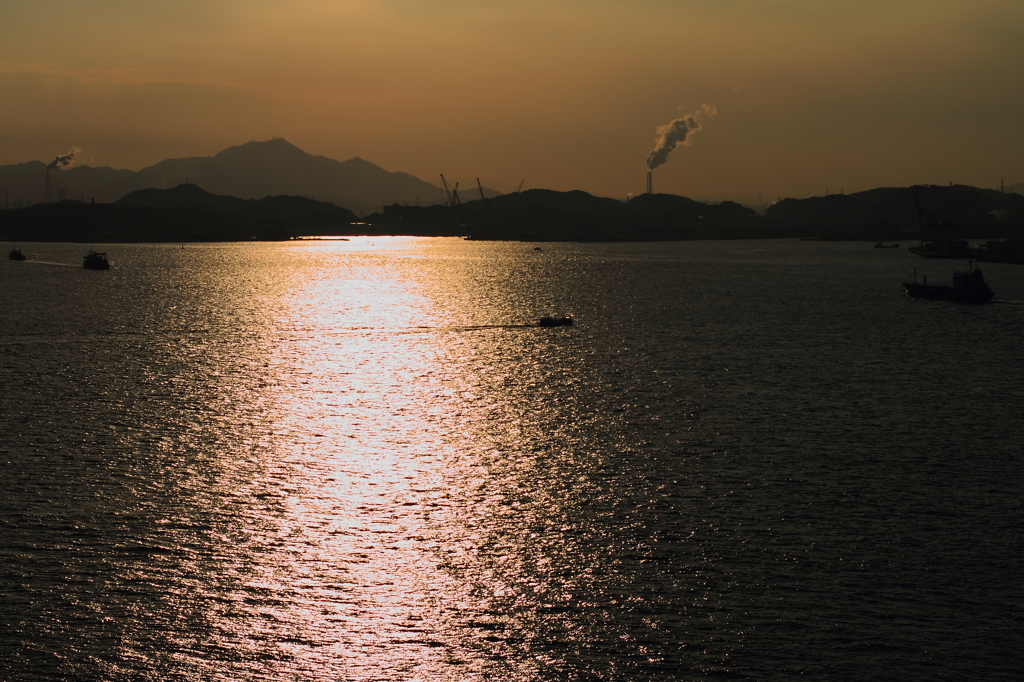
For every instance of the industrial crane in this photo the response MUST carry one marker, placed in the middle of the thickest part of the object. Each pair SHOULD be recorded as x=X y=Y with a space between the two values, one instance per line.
x=453 y=192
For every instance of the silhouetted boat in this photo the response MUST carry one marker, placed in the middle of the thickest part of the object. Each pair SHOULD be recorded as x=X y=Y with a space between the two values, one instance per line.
x=555 y=321
x=944 y=248
x=96 y=261
x=16 y=254
x=1001 y=251
x=880 y=245
x=968 y=287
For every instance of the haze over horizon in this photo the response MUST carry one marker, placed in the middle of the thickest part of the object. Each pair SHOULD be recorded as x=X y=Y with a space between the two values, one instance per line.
x=810 y=96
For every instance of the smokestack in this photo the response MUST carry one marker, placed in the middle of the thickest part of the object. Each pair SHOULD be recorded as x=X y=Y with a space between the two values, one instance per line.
x=650 y=186
x=64 y=159
x=677 y=132
x=60 y=162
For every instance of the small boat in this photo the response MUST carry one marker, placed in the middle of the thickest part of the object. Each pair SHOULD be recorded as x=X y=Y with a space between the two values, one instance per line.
x=967 y=287
x=1001 y=251
x=16 y=254
x=880 y=245
x=945 y=248
x=96 y=261
x=547 y=321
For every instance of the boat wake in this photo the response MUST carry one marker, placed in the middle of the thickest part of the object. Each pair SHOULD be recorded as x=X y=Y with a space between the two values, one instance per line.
x=47 y=262
x=479 y=327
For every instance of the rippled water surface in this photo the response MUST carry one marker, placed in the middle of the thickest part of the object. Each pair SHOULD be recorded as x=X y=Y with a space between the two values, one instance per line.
x=362 y=460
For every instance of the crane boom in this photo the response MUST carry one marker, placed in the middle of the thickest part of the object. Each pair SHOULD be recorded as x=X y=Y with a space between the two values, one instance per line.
x=446 y=190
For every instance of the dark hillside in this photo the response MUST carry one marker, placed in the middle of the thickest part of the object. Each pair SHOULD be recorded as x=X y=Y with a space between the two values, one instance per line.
x=183 y=213
x=183 y=196
x=248 y=171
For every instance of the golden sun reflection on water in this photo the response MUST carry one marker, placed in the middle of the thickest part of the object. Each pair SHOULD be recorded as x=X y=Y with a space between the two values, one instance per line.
x=335 y=565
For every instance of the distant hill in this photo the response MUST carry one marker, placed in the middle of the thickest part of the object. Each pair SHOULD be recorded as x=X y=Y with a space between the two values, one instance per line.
x=298 y=211
x=183 y=213
x=666 y=209
x=183 y=196
x=575 y=201
x=577 y=215
x=649 y=209
x=578 y=202
x=939 y=204
x=249 y=171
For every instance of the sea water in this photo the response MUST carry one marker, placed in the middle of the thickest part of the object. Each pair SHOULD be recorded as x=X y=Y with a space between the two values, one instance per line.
x=362 y=460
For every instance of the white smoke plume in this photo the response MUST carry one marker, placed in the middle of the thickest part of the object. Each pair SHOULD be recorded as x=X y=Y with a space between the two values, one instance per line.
x=678 y=132
x=65 y=160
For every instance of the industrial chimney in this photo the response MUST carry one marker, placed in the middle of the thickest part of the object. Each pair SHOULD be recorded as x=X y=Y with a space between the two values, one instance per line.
x=650 y=186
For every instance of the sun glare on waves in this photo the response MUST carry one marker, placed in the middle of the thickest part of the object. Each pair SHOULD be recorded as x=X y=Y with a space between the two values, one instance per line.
x=331 y=562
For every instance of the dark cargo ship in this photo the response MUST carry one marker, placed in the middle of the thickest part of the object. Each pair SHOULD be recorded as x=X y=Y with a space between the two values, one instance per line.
x=967 y=287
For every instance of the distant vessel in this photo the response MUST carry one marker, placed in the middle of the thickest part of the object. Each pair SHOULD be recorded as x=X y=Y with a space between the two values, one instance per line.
x=967 y=287
x=16 y=254
x=96 y=261
x=880 y=245
x=555 y=321
x=944 y=248
x=1001 y=251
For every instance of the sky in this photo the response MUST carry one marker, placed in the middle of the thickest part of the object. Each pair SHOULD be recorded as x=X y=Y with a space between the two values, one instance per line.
x=808 y=97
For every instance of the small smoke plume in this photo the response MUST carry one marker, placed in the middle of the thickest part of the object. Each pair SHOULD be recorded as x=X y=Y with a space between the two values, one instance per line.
x=65 y=159
x=676 y=133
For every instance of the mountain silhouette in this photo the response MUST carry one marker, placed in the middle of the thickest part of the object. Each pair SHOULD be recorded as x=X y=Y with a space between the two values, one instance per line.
x=248 y=171
x=268 y=208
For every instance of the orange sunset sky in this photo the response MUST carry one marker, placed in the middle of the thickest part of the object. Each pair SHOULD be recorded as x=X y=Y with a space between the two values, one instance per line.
x=810 y=95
